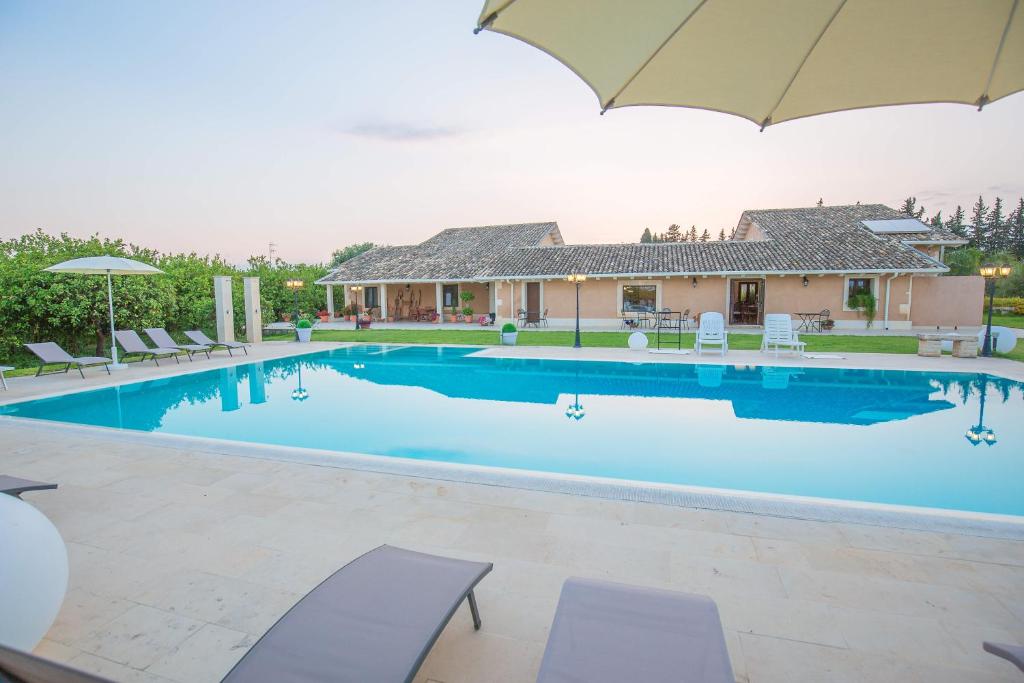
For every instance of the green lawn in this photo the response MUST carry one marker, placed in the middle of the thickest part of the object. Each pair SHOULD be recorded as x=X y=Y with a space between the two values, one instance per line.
x=1012 y=321
x=849 y=343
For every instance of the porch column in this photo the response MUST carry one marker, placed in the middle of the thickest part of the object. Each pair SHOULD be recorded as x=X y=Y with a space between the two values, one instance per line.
x=438 y=302
x=330 y=302
x=384 y=302
x=492 y=306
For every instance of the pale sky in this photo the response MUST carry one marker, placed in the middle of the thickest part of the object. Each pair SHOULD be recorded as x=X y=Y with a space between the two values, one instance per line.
x=220 y=127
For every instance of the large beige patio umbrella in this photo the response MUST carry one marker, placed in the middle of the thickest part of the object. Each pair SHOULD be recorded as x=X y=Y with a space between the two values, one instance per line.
x=106 y=265
x=774 y=61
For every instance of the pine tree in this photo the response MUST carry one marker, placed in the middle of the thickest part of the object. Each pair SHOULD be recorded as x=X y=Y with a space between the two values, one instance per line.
x=996 y=228
x=936 y=220
x=911 y=209
x=955 y=224
x=674 y=233
x=978 y=234
x=692 y=235
x=721 y=235
x=705 y=236
x=646 y=237
x=1016 y=222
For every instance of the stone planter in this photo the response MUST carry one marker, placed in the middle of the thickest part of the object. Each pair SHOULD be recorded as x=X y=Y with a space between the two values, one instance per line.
x=304 y=334
x=509 y=338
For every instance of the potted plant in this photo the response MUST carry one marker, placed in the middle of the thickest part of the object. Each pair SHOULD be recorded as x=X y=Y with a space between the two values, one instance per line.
x=509 y=334
x=828 y=324
x=467 y=310
x=304 y=330
x=865 y=304
x=324 y=317
x=286 y=317
x=454 y=315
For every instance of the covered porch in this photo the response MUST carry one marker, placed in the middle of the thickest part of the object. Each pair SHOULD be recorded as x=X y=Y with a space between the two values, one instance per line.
x=414 y=302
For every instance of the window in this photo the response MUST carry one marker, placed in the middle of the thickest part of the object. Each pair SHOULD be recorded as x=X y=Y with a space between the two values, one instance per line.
x=855 y=286
x=639 y=298
x=450 y=296
x=370 y=297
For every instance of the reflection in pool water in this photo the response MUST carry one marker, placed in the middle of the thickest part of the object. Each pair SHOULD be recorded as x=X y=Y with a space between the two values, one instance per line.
x=867 y=435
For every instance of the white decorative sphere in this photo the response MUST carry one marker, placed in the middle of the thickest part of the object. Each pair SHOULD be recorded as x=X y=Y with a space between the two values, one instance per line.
x=638 y=341
x=33 y=573
x=1004 y=339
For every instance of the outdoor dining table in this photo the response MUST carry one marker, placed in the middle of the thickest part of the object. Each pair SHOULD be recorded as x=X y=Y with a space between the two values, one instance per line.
x=809 y=321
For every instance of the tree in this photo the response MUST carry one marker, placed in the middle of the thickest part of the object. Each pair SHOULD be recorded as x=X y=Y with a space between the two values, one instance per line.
x=350 y=252
x=955 y=224
x=673 y=234
x=646 y=237
x=910 y=208
x=997 y=237
x=978 y=234
x=692 y=235
x=963 y=261
x=1016 y=223
x=936 y=220
x=705 y=236
x=721 y=235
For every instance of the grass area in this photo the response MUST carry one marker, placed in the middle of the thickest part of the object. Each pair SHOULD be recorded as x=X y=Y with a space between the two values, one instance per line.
x=1008 y=320
x=848 y=343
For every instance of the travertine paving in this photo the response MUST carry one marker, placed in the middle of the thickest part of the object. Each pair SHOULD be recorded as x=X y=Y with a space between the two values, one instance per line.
x=180 y=559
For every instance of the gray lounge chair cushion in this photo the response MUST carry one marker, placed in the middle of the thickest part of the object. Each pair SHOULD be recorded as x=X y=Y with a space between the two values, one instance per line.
x=132 y=343
x=52 y=353
x=15 y=486
x=161 y=337
x=200 y=337
x=22 y=667
x=613 y=632
x=375 y=619
x=1011 y=653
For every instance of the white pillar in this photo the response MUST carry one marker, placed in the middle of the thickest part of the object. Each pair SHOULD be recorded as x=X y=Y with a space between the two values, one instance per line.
x=492 y=299
x=384 y=302
x=346 y=294
x=438 y=302
x=253 y=316
x=330 y=303
x=225 y=316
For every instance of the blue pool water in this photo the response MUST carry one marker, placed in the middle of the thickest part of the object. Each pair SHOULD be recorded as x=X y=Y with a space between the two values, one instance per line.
x=865 y=435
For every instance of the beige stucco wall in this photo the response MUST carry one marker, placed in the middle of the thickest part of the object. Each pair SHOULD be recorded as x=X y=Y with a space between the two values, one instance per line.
x=679 y=294
x=948 y=300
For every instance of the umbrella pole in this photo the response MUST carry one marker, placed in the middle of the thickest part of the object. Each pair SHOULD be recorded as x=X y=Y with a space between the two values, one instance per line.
x=110 y=306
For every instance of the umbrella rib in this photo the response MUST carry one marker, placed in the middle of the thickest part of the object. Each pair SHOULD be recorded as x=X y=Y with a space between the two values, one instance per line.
x=607 y=105
x=768 y=119
x=490 y=18
x=983 y=99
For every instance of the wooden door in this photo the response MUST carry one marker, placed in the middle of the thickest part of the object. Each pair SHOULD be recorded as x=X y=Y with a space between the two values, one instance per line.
x=532 y=301
x=746 y=302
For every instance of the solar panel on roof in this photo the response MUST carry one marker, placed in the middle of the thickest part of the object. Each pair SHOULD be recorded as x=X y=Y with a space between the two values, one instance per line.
x=896 y=225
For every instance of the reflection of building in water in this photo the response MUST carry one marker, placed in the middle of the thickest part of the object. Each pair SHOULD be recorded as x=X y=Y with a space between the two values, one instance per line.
x=257 y=383
x=229 y=389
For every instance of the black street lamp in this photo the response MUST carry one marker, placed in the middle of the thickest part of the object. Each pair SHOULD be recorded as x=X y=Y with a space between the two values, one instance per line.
x=991 y=274
x=979 y=433
x=578 y=279
x=295 y=286
x=355 y=305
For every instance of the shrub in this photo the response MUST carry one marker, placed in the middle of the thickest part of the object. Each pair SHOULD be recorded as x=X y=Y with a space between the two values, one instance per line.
x=508 y=328
x=303 y=324
x=1014 y=302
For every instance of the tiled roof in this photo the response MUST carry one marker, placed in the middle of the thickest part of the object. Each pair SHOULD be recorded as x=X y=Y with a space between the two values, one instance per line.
x=803 y=240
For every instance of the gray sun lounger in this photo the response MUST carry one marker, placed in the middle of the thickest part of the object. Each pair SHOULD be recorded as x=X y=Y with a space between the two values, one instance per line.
x=15 y=486
x=132 y=344
x=1011 y=653
x=199 y=337
x=375 y=619
x=50 y=353
x=161 y=338
x=613 y=632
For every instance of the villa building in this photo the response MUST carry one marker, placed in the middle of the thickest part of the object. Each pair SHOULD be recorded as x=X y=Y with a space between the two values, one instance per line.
x=777 y=261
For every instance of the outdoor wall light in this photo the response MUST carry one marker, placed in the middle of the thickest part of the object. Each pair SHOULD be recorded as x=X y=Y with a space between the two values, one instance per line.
x=695 y=282
x=806 y=281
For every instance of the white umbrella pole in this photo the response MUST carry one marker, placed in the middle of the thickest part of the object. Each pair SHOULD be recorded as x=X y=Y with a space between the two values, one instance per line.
x=110 y=306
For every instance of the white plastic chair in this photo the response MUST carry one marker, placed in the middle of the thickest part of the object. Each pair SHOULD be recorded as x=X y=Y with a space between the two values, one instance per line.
x=778 y=331
x=712 y=332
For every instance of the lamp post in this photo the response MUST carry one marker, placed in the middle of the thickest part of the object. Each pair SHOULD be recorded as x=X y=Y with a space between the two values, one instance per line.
x=355 y=306
x=295 y=286
x=979 y=433
x=578 y=279
x=991 y=273
x=299 y=393
x=575 y=411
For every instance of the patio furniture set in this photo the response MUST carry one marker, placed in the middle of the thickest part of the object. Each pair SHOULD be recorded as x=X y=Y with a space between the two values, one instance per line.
x=378 y=617
x=50 y=353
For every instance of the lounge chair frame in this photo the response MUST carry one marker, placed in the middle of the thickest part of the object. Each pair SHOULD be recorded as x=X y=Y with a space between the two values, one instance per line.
x=70 y=362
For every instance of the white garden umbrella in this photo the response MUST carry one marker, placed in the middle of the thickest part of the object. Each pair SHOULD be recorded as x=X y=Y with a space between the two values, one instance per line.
x=106 y=265
x=775 y=61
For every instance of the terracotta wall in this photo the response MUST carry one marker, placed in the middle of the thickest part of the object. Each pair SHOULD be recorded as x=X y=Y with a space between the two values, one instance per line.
x=948 y=300
x=788 y=295
x=679 y=294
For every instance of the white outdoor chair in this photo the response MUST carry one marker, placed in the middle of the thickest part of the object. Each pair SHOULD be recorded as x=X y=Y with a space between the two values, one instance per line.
x=778 y=331
x=712 y=332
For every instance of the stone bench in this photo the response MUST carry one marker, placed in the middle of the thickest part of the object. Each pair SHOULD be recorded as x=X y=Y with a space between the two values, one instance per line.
x=964 y=345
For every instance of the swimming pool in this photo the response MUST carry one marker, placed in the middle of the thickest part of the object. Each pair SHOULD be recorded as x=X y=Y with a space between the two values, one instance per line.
x=862 y=435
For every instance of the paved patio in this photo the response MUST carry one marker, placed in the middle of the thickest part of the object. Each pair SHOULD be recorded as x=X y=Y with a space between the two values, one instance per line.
x=182 y=556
